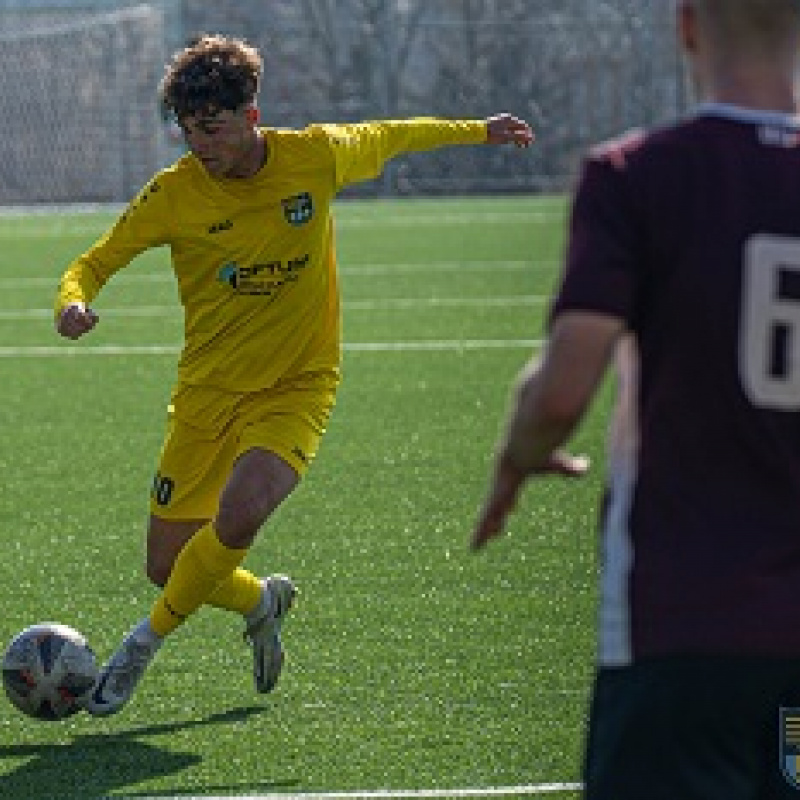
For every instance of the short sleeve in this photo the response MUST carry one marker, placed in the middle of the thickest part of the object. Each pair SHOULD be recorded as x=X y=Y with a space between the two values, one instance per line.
x=602 y=265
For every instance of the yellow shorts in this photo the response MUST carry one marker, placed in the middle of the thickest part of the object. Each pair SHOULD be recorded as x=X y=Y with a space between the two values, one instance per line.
x=208 y=429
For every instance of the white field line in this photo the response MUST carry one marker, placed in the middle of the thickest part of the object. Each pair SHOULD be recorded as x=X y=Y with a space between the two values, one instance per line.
x=70 y=226
x=530 y=790
x=442 y=345
x=444 y=302
x=445 y=345
x=400 y=303
x=22 y=314
x=447 y=266
x=69 y=350
x=52 y=283
x=166 y=276
x=543 y=217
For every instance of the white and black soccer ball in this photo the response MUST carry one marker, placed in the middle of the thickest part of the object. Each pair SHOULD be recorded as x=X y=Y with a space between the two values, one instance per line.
x=48 y=668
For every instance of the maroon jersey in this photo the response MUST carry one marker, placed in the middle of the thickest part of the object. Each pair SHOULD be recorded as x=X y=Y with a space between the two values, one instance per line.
x=691 y=235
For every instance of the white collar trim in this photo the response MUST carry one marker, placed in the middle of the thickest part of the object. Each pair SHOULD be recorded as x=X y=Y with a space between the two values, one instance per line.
x=752 y=115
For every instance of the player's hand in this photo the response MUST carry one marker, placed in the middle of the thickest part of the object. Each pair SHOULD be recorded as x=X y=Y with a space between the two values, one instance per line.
x=506 y=485
x=75 y=320
x=506 y=129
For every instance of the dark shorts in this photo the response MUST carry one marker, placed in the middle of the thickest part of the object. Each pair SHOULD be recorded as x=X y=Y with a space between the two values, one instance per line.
x=695 y=728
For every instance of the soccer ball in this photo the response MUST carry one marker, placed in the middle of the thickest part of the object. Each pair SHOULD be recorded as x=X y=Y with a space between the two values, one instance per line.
x=47 y=669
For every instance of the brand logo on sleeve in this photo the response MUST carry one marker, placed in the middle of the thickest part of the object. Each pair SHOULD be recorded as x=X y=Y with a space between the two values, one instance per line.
x=220 y=227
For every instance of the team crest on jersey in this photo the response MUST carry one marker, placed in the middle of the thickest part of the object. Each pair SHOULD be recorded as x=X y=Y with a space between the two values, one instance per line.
x=789 y=732
x=298 y=209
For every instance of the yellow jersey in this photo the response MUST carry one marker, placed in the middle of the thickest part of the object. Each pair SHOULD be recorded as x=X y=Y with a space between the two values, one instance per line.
x=254 y=257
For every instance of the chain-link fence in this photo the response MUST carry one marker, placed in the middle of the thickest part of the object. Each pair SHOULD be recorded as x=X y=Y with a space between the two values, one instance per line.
x=79 y=112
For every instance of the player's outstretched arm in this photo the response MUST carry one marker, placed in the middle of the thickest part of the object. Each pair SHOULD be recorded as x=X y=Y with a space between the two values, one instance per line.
x=506 y=484
x=507 y=129
x=553 y=393
x=75 y=320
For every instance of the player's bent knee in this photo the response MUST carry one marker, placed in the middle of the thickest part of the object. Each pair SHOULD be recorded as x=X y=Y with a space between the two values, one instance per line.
x=259 y=483
x=237 y=524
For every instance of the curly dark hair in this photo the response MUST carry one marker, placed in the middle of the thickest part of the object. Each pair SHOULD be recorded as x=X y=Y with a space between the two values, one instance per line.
x=213 y=73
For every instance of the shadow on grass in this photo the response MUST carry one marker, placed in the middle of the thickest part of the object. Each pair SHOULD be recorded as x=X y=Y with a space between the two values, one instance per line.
x=94 y=765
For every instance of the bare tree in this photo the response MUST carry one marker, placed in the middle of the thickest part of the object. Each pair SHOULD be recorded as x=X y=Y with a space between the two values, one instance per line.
x=578 y=70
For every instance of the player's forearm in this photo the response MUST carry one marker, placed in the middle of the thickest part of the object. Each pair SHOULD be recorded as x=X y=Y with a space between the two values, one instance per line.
x=145 y=223
x=428 y=133
x=87 y=274
x=362 y=150
x=537 y=427
x=79 y=284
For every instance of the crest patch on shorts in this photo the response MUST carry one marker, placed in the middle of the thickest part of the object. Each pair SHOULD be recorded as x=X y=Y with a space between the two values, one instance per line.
x=789 y=736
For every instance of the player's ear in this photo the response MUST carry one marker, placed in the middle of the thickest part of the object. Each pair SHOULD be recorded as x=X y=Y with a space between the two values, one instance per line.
x=687 y=25
x=252 y=114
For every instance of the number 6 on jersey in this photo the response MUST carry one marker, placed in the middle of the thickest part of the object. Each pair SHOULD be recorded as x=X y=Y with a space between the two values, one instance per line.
x=769 y=345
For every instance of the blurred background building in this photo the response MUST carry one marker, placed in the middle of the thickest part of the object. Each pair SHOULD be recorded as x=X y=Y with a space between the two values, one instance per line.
x=80 y=120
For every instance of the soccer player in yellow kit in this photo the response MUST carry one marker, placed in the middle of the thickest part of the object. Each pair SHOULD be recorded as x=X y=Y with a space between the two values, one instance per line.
x=246 y=215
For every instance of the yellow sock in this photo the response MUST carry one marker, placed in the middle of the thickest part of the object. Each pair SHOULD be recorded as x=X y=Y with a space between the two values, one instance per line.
x=200 y=567
x=241 y=592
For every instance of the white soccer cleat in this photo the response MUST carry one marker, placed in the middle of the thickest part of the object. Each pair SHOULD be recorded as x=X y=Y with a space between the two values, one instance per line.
x=118 y=678
x=264 y=634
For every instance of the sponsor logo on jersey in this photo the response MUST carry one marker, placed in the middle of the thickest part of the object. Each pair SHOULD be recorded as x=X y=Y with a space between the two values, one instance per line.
x=298 y=209
x=262 y=278
x=789 y=732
